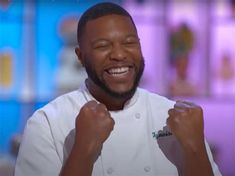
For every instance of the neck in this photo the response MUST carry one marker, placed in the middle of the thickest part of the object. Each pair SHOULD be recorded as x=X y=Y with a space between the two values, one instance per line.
x=112 y=103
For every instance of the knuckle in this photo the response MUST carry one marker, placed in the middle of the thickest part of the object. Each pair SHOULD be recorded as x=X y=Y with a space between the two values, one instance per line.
x=102 y=105
x=102 y=113
x=199 y=108
x=85 y=108
x=91 y=103
x=171 y=111
x=110 y=123
x=179 y=101
x=176 y=119
x=110 y=120
x=200 y=111
x=168 y=121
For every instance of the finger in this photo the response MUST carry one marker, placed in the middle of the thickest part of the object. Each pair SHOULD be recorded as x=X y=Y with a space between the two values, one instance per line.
x=175 y=111
x=186 y=103
x=166 y=129
x=91 y=103
x=192 y=105
x=102 y=106
x=168 y=122
x=102 y=110
x=181 y=105
x=109 y=123
x=112 y=121
x=171 y=112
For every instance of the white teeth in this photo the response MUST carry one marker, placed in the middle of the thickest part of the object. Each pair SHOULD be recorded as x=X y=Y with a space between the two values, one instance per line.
x=121 y=70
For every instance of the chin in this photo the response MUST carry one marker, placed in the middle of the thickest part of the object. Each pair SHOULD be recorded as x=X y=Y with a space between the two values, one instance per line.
x=121 y=92
x=121 y=89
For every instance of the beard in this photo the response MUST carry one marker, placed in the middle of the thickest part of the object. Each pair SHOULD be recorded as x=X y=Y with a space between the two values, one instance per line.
x=103 y=85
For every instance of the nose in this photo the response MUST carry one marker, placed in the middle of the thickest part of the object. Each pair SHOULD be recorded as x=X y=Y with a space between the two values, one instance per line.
x=118 y=53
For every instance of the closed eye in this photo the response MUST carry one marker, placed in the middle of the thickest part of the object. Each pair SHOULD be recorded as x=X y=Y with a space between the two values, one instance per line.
x=130 y=43
x=102 y=46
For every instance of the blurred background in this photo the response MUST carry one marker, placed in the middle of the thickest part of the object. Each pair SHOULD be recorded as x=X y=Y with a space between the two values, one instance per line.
x=189 y=50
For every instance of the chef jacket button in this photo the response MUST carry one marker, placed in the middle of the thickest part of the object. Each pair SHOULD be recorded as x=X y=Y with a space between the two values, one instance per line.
x=147 y=169
x=110 y=170
x=137 y=115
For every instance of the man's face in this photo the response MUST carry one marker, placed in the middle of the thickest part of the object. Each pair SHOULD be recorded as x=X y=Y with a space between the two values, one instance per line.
x=111 y=53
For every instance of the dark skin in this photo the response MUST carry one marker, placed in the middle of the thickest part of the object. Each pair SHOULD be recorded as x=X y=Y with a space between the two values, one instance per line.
x=186 y=123
x=114 y=45
x=110 y=43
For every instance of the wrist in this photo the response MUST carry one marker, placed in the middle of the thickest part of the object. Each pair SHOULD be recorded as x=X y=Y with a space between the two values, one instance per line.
x=79 y=162
x=88 y=152
x=194 y=146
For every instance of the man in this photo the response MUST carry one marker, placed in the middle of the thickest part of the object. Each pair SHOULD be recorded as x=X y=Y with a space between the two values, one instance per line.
x=109 y=126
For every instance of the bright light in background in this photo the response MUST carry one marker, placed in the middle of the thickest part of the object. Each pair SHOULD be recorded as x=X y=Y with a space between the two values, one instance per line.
x=214 y=32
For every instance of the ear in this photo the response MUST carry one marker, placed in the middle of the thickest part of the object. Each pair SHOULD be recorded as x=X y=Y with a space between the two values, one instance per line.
x=79 y=55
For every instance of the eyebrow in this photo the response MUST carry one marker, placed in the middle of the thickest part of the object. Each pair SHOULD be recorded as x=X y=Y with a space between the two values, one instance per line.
x=106 y=40
x=132 y=35
x=100 y=40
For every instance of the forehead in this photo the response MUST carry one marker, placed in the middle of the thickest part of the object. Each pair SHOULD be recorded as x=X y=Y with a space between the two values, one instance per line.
x=109 y=25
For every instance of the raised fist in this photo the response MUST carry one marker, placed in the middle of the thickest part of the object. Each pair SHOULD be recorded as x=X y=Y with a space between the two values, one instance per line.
x=93 y=126
x=185 y=121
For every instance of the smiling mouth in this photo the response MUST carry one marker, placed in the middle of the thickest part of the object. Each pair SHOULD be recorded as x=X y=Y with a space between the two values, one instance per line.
x=120 y=71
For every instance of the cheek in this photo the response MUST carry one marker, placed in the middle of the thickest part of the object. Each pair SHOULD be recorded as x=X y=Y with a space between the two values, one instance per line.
x=95 y=62
x=138 y=58
x=101 y=56
x=135 y=52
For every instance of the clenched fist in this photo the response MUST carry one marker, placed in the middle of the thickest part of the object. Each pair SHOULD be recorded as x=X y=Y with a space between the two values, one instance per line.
x=93 y=126
x=186 y=123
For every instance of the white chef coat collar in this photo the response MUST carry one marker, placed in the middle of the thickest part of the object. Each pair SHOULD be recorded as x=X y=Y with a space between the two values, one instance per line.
x=89 y=97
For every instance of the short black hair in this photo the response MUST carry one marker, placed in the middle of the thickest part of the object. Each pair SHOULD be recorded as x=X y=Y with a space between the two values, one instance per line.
x=100 y=10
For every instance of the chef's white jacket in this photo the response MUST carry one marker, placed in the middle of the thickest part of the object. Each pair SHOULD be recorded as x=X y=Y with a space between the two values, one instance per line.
x=130 y=150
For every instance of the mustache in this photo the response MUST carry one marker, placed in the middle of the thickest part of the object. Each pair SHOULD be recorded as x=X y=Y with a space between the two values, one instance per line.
x=139 y=69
